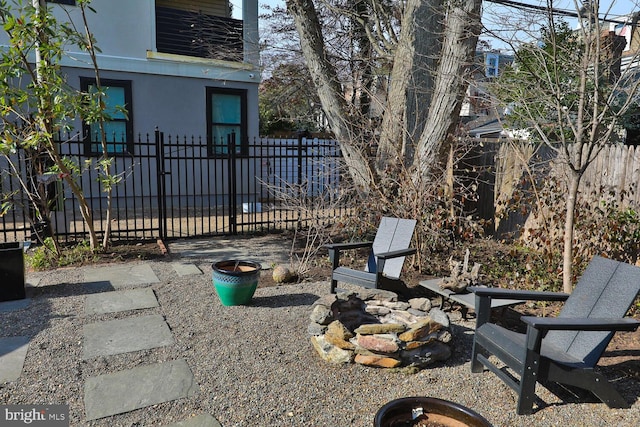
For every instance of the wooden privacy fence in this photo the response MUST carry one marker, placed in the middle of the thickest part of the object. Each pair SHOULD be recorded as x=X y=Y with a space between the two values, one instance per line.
x=502 y=167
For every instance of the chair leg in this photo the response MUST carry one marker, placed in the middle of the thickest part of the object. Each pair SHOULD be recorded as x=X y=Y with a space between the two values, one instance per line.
x=529 y=378
x=334 y=285
x=590 y=380
x=476 y=365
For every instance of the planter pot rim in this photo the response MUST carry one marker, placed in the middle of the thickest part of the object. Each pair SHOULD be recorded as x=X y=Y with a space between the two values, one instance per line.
x=227 y=267
x=434 y=406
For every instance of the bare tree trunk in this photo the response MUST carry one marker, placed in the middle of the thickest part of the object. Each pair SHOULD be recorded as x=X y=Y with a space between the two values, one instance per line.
x=330 y=93
x=567 y=256
x=462 y=28
x=411 y=80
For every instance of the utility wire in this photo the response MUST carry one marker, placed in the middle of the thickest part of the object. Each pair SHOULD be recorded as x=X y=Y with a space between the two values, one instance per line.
x=560 y=12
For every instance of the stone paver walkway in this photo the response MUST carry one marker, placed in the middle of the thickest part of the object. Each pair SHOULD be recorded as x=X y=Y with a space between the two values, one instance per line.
x=126 y=390
x=13 y=351
x=136 y=388
x=125 y=335
x=112 y=302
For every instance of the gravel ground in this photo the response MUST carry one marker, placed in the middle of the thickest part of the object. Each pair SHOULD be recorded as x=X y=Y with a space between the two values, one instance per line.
x=254 y=365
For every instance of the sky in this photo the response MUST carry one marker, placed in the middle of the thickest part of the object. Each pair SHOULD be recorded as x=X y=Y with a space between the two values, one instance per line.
x=613 y=8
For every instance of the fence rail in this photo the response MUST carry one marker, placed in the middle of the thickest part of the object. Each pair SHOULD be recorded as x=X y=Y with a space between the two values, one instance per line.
x=171 y=187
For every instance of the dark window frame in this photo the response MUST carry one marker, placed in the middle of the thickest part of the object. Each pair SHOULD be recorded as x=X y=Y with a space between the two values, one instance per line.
x=65 y=2
x=242 y=146
x=85 y=82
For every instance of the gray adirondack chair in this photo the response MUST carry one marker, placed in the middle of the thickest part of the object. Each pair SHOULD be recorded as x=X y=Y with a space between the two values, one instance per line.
x=564 y=349
x=384 y=265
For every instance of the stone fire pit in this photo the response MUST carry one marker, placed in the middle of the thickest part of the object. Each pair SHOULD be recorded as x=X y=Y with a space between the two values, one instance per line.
x=371 y=327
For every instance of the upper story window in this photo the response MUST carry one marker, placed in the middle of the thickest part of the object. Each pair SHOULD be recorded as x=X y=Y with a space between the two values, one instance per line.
x=227 y=120
x=67 y=2
x=492 y=62
x=119 y=128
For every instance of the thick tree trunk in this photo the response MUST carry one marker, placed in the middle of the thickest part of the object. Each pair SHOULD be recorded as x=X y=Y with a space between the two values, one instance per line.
x=462 y=28
x=411 y=81
x=330 y=93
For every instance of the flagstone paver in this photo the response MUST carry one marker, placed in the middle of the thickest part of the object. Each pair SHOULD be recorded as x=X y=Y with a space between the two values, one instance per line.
x=112 y=302
x=122 y=275
x=139 y=387
x=202 y=420
x=125 y=335
x=13 y=351
x=186 y=269
x=15 y=305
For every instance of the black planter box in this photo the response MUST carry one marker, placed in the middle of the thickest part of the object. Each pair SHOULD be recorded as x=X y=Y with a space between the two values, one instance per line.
x=11 y=271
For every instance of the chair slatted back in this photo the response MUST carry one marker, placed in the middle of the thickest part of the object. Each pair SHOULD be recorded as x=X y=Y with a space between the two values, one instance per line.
x=606 y=290
x=393 y=234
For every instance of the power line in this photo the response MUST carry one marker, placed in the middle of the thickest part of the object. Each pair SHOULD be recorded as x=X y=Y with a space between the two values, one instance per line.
x=555 y=11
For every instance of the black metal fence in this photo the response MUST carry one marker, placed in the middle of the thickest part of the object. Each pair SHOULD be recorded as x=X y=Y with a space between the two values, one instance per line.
x=172 y=187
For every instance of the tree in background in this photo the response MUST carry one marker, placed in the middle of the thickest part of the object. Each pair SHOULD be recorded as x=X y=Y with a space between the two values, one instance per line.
x=566 y=91
x=288 y=103
x=426 y=46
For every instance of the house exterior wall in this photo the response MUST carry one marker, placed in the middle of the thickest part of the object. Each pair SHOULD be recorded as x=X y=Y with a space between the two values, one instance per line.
x=168 y=91
x=175 y=105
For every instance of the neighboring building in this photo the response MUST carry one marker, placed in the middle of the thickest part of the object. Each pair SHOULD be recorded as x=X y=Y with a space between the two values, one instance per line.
x=187 y=68
x=478 y=111
x=184 y=66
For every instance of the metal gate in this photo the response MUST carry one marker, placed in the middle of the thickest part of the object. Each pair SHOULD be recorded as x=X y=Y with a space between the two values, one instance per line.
x=207 y=189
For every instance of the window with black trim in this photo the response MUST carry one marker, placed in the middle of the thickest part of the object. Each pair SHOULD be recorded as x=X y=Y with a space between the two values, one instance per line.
x=226 y=120
x=67 y=2
x=119 y=127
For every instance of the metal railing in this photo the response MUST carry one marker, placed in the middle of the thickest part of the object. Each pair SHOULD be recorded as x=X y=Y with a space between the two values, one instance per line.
x=171 y=187
x=187 y=33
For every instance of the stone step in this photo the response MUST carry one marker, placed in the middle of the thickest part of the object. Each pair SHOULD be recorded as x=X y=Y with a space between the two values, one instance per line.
x=183 y=269
x=136 y=388
x=202 y=420
x=125 y=335
x=15 y=305
x=13 y=351
x=112 y=302
x=119 y=276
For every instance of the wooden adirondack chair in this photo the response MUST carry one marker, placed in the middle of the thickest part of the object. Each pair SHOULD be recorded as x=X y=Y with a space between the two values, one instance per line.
x=388 y=251
x=564 y=349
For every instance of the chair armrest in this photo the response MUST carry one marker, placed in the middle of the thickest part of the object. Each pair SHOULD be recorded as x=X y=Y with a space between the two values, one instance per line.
x=396 y=254
x=336 y=248
x=500 y=293
x=346 y=246
x=581 y=323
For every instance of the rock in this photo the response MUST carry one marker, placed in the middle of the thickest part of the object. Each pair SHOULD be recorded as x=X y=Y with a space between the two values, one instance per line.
x=321 y=315
x=367 y=294
x=377 y=310
x=420 y=330
x=316 y=329
x=427 y=354
x=282 y=274
x=417 y=313
x=377 y=361
x=380 y=328
x=339 y=342
x=330 y=353
x=395 y=305
x=326 y=300
x=422 y=304
x=382 y=343
x=338 y=330
x=440 y=316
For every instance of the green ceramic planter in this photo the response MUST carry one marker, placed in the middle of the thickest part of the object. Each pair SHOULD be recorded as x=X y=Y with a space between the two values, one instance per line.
x=235 y=281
